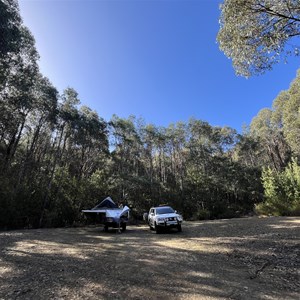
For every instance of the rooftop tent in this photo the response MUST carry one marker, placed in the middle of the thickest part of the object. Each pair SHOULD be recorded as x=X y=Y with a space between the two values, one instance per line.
x=106 y=203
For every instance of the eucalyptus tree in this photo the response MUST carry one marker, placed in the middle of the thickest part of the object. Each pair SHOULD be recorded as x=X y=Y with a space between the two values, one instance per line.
x=10 y=33
x=60 y=152
x=218 y=184
x=90 y=142
x=278 y=129
x=78 y=150
x=177 y=153
x=161 y=141
x=256 y=34
x=25 y=154
x=33 y=153
x=17 y=94
x=274 y=149
x=288 y=103
x=126 y=157
x=82 y=153
x=37 y=135
x=68 y=117
x=9 y=27
x=19 y=77
x=247 y=150
x=200 y=144
x=149 y=136
x=199 y=167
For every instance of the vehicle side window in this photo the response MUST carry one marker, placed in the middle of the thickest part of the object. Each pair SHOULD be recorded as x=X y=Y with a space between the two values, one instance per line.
x=151 y=211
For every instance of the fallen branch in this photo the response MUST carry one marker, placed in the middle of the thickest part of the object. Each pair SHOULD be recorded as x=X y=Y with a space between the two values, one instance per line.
x=259 y=271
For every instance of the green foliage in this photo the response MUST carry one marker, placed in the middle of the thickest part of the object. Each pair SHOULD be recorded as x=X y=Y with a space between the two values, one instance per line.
x=58 y=157
x=254 y=33
x=291 y=115
x=202 y=214
x=277 y=130
x=282 y=191
x=10 y=24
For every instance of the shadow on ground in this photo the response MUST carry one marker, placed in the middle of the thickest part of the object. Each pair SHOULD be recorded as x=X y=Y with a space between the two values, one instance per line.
x=253 y=258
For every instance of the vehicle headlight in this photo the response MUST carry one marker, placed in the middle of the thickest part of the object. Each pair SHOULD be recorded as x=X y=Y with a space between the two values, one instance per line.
x=160 y=219
x=109 y=219
x=179 y=218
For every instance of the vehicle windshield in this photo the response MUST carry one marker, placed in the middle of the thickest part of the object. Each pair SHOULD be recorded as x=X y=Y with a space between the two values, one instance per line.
x=164 y=210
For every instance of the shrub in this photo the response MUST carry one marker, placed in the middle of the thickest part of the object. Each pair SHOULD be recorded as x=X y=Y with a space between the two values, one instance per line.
x=281 y=191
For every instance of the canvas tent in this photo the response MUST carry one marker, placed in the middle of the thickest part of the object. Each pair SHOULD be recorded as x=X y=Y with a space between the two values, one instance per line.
x=106 y=203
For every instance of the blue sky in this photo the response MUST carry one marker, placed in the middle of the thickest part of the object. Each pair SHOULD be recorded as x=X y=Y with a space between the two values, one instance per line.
x=158 y=60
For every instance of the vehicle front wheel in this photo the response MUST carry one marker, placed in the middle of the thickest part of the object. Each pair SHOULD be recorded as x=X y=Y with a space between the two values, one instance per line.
x=149 y=223
x=123 y=226
x=179 y=228
x=157 y=229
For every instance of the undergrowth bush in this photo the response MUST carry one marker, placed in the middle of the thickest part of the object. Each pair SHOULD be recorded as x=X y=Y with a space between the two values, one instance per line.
x=281 y=191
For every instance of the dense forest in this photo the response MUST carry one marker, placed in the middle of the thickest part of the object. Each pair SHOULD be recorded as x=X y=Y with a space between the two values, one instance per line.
x=58 y=156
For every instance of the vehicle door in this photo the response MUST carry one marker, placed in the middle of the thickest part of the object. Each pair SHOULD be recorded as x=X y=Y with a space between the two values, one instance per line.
x=151 y=217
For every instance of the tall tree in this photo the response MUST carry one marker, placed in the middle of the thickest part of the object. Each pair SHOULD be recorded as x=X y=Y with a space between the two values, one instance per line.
x=274 y=149
x=291 y=115
x=126 y=144
x=10 y=24
x=20 y=75
x=255 y=33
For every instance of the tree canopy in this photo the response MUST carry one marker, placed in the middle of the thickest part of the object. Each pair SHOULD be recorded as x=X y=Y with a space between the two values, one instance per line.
x=256 y=34
x=58 y=157
x=10 y=27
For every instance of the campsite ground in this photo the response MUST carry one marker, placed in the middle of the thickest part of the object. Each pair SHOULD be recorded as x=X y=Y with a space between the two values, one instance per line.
x=250 y=258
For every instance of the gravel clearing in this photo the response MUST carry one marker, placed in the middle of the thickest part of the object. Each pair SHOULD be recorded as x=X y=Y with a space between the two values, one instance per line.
x=247 y=258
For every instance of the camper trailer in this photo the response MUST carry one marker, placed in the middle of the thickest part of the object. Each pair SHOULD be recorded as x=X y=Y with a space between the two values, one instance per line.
x=108 y=213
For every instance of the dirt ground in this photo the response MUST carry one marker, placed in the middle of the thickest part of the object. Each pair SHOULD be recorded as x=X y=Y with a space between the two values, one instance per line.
x=249 y=258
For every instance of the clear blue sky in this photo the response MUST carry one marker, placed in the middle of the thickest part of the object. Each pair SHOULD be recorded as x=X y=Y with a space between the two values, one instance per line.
x=154 y=59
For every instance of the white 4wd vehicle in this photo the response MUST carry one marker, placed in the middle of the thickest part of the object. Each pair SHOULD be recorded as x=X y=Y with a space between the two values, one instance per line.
x=162 y=217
